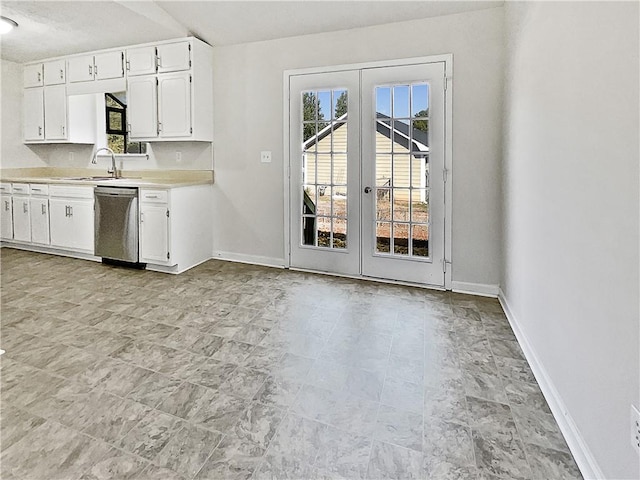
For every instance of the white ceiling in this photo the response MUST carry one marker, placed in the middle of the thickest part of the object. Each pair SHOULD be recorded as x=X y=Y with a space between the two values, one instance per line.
x=54 y=28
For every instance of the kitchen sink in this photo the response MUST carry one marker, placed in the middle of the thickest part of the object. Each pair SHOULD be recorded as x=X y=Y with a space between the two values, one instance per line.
x=97 y=178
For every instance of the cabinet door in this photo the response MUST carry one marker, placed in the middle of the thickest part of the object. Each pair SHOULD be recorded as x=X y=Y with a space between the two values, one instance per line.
x=142 y=108
x=71 y=224
x=55 y=112
x=141 y=61
x=174 y=105
x=174 y=57
x=40 y=220
x=21 y=219
x=33 y=114
x=55 y=72
x=154 y=234
x=6 y=218
x=109 y=65
x=33 y=76
x=80 y=69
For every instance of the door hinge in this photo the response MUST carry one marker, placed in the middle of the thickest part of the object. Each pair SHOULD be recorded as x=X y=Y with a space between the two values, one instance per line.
x=168 y=256
x=444 y=265
x=445 y=173
x=167 y=213
x=446 y=83
x=191 y=130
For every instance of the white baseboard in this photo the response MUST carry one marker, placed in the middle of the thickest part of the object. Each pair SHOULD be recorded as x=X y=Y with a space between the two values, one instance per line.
x=252 y=259
x=581 y=453
x=480 y=289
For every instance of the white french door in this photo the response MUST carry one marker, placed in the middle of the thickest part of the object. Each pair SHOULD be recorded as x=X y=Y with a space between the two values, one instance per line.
x=367 y=184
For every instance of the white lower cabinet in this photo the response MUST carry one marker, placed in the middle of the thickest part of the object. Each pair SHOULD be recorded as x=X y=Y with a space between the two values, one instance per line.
x=39 y=204
x=71 y=218
x=6 y=218
x=21 y=212
x=155 y=227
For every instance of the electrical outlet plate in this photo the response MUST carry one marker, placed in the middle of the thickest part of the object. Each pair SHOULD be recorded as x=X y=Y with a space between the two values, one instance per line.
x=265 y=157
x=635 y=429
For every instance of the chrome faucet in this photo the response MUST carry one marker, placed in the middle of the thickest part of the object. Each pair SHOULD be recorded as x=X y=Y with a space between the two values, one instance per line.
x=114 y=170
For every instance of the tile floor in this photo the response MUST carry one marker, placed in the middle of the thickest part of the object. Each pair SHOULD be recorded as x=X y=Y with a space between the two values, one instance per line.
x=236 y=371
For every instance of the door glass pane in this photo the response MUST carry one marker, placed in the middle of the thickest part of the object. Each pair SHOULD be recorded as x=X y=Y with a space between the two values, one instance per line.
x=339 y=233
x=383 y=102
x=419 y=100
x=340 y=104
x=324 y=165
x=401 y=101
x=420 y=240
x=400 y=204
x=383 y=234
x=401 y=238
x=402 y=169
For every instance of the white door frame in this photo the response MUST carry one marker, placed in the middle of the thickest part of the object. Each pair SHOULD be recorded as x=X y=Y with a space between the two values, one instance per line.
x=448 y=148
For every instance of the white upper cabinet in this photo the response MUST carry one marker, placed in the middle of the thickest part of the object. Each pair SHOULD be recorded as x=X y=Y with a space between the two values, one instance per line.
x=33 y=114
x=55 y=73
x=174 y=105
x=141 y=61
x=80 y=69
x=55 y=112
x=33 y=76
x=101 y=66
x=142 y=114
x=109 y=65
x=174 y=57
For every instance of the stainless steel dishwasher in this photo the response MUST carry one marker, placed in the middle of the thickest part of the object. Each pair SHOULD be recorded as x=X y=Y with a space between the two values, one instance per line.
x=116 y=223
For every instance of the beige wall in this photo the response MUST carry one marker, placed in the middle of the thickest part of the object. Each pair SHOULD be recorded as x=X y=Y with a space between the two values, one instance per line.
x=571 y=207
x=249 y=117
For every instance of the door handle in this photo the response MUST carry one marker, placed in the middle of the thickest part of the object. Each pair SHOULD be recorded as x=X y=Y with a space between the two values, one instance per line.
x=367 y=189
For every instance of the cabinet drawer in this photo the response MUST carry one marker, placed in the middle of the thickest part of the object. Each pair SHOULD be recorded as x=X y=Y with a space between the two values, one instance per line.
x=70 y=192
x=154 y=196
x=40 y=189
x=20 y=188
x=5 y=188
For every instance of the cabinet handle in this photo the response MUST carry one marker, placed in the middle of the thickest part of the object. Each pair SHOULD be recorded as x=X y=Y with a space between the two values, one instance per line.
x=90 y=70
x=39 y=77
x=39 y=131
x=61 y=74
x=6 y=205
x=44 y=209
x=25 y=207
x=63 y=130
x=159 y=127
x=128 y=64
x=70 y=211
x=151 y=196
x=158 y=61
x=141 y=217
x=95 y=70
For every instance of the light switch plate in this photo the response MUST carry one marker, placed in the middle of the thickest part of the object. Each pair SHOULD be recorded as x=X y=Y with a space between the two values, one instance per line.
x=265 y=156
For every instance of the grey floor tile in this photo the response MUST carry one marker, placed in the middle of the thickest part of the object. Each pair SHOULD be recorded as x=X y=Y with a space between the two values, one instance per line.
x=154 y=390
x=500 y=455
x=116 y=464
x=549 y=463
x=379 y=381
x=150 y=435
x=446 y=446
x=399 y=427
x=339 y=409
x=393 y=462
x=188 y=449
x=278 y=392
x=15 y=424
x=186 y=400
x=53 y=452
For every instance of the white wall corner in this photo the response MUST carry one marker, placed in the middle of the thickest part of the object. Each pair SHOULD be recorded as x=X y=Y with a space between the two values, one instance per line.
x=579 y=449
x=480 y=289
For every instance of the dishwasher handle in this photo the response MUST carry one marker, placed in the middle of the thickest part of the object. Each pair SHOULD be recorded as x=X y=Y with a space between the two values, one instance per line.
x=116 y=192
